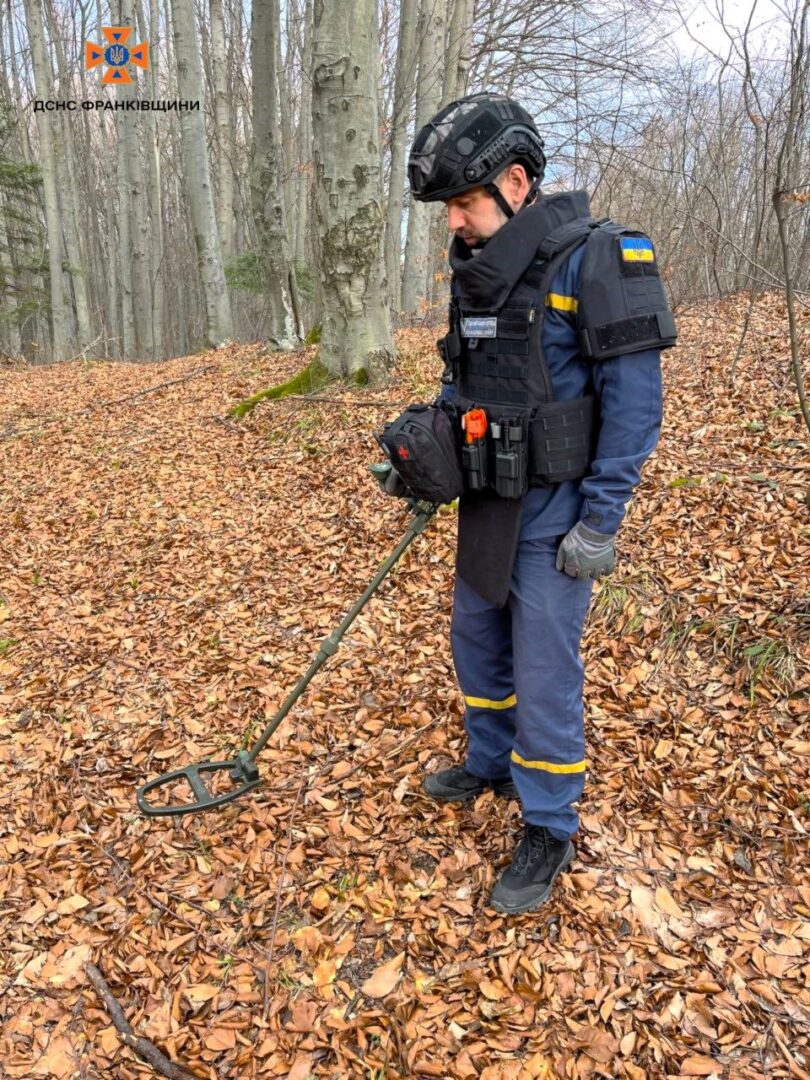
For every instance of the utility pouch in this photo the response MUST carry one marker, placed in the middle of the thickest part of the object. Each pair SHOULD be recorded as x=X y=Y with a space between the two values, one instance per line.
x=510 y=452
x=561 y=436
x=474 y=463
x=421 y=445
x=449 y=348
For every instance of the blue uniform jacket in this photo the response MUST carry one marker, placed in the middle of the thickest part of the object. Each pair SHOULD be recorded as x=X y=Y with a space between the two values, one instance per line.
x=628 y=390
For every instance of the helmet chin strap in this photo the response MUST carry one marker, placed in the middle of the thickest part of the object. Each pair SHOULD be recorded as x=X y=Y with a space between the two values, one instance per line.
x=497 y=195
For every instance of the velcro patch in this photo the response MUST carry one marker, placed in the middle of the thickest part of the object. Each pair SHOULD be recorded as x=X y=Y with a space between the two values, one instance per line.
x=479 y=328
x=636 y=249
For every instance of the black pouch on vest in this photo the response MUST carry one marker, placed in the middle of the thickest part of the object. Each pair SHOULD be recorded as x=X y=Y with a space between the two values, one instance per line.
x=560 y=439
x=421 y=445
x=509 y=436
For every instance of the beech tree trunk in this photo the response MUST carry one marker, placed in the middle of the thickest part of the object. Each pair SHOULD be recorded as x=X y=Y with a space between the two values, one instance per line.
x=60 y=313
x=68 y=192
x=265 y=184
x=224 y=156
x=415 y=289
x=356 y=337
x=407 y=59
x=197 y=175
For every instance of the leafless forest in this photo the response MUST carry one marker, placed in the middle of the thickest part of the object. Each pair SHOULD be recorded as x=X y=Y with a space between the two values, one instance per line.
x=248 y=181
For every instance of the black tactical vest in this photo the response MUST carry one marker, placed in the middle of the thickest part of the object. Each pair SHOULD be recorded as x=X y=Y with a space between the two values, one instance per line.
x=493 y=354
x=495 y=351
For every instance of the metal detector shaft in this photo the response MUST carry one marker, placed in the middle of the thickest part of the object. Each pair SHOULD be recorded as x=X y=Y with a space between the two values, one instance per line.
x=423 y=512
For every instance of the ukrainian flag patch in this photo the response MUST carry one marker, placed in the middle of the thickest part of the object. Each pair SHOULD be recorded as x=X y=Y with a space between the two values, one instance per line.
x=636 y=249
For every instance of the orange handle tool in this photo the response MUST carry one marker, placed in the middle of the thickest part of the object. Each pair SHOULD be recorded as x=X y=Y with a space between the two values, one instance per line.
x=475 y=425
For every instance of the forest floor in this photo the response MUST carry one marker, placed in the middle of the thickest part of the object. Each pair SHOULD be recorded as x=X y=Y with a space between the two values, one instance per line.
x=167 y=574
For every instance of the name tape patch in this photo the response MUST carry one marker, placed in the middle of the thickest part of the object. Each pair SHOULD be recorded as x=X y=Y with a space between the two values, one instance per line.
x=479 y=327
x=636 y=249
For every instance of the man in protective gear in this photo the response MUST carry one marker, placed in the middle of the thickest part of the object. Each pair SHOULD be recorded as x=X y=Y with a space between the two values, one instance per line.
x=552 y=369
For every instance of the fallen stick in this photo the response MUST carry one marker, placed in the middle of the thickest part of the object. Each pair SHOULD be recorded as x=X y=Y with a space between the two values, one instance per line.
x=10 y=432
x=151 y=389
x=142 y=1047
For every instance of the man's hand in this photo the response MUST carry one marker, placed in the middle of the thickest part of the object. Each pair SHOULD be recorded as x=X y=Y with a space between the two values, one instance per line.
x=585 y=553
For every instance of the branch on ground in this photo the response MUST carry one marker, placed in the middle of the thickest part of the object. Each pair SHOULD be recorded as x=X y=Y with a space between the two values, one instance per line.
x=142 y=1047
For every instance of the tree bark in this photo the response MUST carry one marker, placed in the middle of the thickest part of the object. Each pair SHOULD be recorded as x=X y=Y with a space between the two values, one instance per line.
x=304 y=155
x=356 y=337
x=60 y=313
x=68 y=192
x=459 y=42
x=130 y=135
x=407 y=59
x=224 y=156
x=154 y=187
x=265 y=186
x=197 y=175
x=428 y=95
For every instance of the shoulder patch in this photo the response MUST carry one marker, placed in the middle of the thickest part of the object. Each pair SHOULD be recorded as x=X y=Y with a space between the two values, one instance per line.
x=623 y=308
x=636 y=249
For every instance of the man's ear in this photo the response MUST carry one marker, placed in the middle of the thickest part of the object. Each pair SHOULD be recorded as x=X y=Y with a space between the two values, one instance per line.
x=518 y=176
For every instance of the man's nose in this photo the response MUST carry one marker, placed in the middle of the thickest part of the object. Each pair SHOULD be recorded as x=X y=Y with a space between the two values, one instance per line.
x=455 y=218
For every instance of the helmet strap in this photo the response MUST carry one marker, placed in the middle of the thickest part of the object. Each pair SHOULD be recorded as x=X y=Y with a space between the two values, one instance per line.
x=497 y=195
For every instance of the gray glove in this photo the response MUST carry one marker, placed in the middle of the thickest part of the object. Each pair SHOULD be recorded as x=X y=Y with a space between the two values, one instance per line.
x=393 y=485
x=585 y=553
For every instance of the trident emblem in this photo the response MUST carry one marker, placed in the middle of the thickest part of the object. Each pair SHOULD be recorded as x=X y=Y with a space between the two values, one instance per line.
x=116 y=55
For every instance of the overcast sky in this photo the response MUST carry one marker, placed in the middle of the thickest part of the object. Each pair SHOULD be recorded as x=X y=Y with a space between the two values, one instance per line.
x=702 y=26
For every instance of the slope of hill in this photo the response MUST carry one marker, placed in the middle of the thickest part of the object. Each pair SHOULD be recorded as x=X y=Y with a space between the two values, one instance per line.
x=167 y=574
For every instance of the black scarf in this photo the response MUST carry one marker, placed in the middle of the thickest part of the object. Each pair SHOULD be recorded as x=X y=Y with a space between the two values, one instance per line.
x=485 y=280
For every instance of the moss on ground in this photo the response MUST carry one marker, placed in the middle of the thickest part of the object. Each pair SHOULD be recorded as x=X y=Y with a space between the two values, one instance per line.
x=313 y=376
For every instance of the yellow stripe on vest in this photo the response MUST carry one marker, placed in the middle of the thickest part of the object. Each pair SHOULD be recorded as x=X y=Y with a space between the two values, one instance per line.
x=549 y=766
x=485 y=703
x=561 y=303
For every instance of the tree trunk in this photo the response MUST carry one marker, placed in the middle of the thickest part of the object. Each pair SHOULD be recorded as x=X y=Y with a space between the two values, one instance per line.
x=19 y=229
x=304 y=155
x=284 y=100
x=122 y=254
x=60 y=314
x=197 y=175
x=456 y=74
x=224 y=156
x=157 y=264
x=428 y=95
x=356 y=336
x=8 y=322
x=266 y=195
x=459 y=42
x=130 y=136
x=407 y=59
x=75 y=236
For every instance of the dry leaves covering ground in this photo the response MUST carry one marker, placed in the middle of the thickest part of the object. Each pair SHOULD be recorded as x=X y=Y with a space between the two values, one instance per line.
x=167 y=573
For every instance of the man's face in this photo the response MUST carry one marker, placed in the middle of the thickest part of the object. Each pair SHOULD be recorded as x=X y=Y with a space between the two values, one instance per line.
x=474 y=216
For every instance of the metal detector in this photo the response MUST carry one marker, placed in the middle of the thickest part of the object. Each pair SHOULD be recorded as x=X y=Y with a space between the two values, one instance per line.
x=242 y=769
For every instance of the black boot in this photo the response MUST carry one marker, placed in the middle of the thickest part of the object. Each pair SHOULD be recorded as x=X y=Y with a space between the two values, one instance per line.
x=536 y=865
x=458 y=785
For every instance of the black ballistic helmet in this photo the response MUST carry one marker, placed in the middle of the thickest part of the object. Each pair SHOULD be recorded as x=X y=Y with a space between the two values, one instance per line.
x=469 y=143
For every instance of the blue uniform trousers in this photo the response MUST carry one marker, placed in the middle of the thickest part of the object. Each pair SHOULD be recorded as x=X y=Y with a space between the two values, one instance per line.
x=521 y=674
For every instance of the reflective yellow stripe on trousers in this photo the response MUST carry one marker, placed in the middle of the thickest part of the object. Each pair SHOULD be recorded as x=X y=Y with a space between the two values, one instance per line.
x=485 y=703
x=549 y=766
